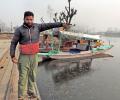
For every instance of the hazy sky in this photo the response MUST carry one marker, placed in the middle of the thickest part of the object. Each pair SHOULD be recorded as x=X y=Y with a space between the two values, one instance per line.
x=98 y=14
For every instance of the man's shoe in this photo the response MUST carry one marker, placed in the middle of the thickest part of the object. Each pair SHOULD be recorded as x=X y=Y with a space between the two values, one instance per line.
x=20 y=98
x=32 y=95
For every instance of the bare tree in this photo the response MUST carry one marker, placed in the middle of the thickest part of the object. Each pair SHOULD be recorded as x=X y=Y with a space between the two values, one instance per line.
x=59 y=17
x=67 y=15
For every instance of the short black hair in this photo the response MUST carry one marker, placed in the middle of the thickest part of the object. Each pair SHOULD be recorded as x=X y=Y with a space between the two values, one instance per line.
x=28 y=13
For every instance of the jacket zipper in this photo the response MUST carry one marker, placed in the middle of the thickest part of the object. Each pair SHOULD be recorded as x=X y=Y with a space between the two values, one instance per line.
x=29 y=33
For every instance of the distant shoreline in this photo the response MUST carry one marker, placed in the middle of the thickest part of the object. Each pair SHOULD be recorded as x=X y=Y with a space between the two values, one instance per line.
x=112 y=35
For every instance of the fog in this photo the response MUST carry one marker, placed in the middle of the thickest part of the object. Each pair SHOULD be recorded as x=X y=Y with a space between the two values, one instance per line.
x=95 y=14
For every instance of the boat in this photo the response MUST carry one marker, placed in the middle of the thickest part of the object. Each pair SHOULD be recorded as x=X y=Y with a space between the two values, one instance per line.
x=93 y=53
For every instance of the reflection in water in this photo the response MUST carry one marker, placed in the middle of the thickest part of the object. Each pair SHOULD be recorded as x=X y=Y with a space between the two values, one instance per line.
x=65 y=71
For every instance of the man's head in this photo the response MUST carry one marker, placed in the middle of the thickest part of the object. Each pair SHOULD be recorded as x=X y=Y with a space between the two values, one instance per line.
x=28 y=18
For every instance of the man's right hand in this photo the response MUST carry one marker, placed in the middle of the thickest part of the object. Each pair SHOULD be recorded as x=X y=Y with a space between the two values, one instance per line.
x=14 y=60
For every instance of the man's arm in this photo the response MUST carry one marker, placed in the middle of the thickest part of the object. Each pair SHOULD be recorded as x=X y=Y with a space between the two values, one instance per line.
x=47 y=26
x=14 y=43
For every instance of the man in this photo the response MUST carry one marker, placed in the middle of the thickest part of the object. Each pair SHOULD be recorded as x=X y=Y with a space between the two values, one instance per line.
x=27 y=35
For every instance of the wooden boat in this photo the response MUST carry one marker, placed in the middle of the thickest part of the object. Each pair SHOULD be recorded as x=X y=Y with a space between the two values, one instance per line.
x=65 y=54
x=91 y=54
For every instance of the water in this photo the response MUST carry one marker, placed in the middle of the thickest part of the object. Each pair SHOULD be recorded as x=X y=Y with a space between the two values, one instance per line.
x=66 y=81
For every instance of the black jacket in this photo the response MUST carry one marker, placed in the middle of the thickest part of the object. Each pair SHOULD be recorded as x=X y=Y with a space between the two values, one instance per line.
x=25 y=35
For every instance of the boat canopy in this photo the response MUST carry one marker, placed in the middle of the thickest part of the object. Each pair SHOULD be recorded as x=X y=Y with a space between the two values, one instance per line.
x=82 y=35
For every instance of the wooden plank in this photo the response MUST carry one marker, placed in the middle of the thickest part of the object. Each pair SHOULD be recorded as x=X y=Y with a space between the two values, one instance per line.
x=3 y=65
x=5 y=81
x=12 y=92
x=3 y=53
x=13 y=84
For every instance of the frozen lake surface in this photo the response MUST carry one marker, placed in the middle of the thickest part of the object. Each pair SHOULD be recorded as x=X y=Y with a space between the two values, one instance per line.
x=65 y=81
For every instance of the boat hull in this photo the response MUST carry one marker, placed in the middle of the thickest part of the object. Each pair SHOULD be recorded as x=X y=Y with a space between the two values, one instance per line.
x=82 y=55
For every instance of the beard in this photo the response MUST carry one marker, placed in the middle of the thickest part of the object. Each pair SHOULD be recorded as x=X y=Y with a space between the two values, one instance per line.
x=28 y=24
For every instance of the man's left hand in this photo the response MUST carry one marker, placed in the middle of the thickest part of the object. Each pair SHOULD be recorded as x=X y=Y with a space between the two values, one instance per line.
x=66 y=26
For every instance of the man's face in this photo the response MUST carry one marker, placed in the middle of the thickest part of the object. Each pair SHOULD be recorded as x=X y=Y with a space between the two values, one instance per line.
x=29 y=20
